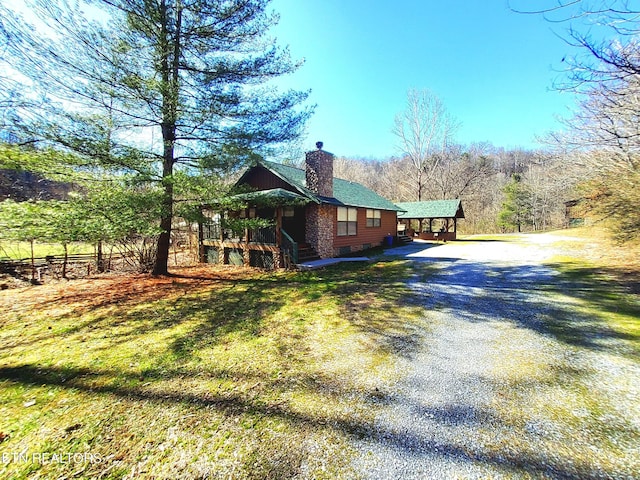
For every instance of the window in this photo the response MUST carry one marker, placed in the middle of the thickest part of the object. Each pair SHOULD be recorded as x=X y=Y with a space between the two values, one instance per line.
x=347 y=221
x=373 y=218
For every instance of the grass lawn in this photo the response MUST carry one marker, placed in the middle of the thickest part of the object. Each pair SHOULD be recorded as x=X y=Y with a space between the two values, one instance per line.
x=212 y=373
x=586 y=416
x=604 y=284
x=22 y=250
x=219 y=372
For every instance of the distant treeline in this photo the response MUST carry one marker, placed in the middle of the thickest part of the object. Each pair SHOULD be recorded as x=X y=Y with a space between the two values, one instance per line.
x=24 y=185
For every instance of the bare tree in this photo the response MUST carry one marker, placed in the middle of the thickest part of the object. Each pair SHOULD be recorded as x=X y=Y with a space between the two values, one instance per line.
x=603 y=134
x=548 y=184
x=459 y=169
x=612 y=51
x=425 y=130
x=607 y=121
x=605 y=138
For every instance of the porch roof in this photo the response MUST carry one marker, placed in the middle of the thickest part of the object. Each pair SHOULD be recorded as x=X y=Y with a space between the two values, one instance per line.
x=274 y=196
x=431 y=209
x=344 y=192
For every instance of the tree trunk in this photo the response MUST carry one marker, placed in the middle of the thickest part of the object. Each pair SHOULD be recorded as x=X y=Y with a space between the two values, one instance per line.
x=99 y=257
x=170 y=56
x=161 y=265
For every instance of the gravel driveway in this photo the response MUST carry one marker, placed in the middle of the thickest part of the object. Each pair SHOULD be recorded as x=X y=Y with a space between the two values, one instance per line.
x=491 y=392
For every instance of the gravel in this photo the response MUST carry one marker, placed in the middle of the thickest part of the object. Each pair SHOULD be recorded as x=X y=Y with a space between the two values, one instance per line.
x=485 y=314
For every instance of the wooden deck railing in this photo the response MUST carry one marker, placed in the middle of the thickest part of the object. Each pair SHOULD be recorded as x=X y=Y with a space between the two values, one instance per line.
x=289 y=247
x=265 y=235
x=259 y=239
x=211 y=231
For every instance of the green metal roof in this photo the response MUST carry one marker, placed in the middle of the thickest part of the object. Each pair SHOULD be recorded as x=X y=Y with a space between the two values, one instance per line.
x=274 y=196
x=344 y=192
x=431 y=209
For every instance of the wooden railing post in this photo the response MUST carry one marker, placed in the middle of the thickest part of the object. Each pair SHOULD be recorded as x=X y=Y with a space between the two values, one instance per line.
x=288 y=245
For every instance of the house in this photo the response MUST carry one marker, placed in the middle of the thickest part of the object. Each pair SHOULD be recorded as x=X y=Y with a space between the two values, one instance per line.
x=313 y=215
x=445 y=212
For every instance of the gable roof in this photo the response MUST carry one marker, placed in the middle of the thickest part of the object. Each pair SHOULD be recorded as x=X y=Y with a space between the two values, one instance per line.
x=431 y=209
x=345 y=193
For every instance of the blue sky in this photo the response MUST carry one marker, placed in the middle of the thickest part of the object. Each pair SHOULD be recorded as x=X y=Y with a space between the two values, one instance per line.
x=493 y=69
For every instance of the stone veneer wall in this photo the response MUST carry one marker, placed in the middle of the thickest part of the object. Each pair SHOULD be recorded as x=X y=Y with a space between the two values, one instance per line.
x=320 y=229
x=319 y=172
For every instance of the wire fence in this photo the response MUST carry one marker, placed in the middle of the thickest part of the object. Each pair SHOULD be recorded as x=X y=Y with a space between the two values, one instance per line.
x=135 y=255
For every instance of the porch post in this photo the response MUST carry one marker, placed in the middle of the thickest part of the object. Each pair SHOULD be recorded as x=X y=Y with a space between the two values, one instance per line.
x=246 y=256
x=277 y=260
x=279 y=226
x=201 y=257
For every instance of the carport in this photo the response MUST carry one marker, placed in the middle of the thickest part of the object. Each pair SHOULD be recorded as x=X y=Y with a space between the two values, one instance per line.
x=430 y=220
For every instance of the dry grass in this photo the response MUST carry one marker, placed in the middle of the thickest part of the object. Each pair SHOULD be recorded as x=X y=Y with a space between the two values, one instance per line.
x=577 y=395
x=603 y=281
x=592 y=246
x=214 y=372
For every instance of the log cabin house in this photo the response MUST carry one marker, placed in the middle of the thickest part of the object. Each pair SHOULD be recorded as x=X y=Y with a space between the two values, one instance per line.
x=313 y=215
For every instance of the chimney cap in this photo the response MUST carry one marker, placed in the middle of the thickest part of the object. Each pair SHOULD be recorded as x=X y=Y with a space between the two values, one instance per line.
x=319 y=145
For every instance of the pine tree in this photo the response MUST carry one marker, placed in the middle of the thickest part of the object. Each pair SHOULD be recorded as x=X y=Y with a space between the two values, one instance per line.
x=516 y=208
x=159 y=88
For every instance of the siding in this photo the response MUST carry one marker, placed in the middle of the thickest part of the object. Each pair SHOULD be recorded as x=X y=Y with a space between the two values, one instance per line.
x=261 y=178
x=366 y=235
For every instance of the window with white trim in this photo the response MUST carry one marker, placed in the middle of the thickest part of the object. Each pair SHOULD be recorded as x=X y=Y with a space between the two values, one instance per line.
x=373 y=218
x=347 y=221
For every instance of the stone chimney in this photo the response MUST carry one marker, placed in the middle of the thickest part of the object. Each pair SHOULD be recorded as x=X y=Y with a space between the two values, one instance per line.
x=319 y=171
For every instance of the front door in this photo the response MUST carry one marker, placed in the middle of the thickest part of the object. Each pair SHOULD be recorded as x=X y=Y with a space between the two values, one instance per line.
x=294 y=223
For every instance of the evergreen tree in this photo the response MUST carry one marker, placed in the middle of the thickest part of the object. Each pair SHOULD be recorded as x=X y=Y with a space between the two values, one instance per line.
x=516 y=208
x=160 y=87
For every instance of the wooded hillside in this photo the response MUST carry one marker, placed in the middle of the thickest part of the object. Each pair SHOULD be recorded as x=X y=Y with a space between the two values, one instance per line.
x=479 y=175
x=24 y=185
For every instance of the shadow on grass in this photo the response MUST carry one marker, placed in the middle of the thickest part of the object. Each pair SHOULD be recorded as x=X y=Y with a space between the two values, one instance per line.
x=580 y=315
x=240 y=306
x=243 y=306
x=179 y=318
x=224 y=304
x=412 y=442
